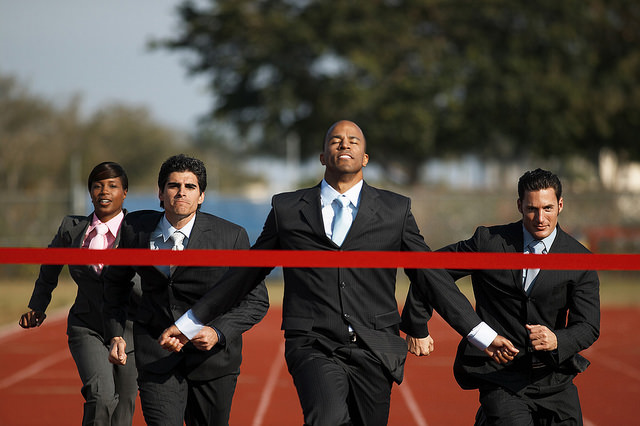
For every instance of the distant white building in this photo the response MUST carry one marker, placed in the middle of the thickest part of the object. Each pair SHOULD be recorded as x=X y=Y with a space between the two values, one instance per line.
x=618 y=176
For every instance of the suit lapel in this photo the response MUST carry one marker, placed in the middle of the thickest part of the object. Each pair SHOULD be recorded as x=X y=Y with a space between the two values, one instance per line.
x=76 y=233
x=559 y=246
x=198 y=234
x=366 y=212
x=514 y=243
x=312 y=210
x=146 y=227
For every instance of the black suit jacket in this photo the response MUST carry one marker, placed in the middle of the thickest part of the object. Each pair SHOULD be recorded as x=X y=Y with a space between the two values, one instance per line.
x=320 y=303
x=164 y=299
x=567 y=302
x=86 y=310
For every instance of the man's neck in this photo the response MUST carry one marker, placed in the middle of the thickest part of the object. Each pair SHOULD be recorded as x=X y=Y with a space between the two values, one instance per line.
x=178 y=222
x=344 y=182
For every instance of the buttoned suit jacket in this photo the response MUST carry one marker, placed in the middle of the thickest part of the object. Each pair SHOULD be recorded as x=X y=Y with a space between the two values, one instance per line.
x=86 y=310
x=165 y=298
x=567 y=302
x=320 y=303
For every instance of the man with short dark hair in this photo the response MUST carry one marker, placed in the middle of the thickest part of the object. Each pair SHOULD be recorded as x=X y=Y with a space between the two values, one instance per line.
x=196 y=385
x=550 y=316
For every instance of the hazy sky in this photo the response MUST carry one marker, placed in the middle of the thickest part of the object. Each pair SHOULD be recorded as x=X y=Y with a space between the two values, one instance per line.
x=98 y=49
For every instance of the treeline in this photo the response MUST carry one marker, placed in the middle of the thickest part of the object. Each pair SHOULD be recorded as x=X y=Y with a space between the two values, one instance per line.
x=501 y=79
x=48 y=148
x=42 y=141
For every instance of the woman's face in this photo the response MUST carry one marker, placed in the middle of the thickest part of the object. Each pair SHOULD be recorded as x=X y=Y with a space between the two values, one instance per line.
x=107 y=196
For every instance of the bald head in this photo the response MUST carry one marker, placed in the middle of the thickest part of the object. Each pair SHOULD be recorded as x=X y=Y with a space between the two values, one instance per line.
x=330 y=132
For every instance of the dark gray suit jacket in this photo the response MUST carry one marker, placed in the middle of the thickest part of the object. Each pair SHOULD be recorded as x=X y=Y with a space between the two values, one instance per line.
x=87 y=308
x=567 y=302
x=320 y=303
x=164 y=299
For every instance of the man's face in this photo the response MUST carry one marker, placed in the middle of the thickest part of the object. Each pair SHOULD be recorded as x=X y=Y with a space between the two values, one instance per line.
x=181 y=196
x=540 y=210
x=344 y=149
x=107 y=196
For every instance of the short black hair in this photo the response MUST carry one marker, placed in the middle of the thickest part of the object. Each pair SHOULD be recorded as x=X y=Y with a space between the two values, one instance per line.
x=182 y=163
x=108 y=170
x=538 y=180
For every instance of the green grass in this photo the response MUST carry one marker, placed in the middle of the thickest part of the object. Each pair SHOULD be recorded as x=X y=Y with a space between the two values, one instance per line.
x=15 y=295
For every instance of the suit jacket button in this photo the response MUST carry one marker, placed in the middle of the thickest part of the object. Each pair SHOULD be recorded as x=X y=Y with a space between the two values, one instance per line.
x=346 y=315
x=342 y=285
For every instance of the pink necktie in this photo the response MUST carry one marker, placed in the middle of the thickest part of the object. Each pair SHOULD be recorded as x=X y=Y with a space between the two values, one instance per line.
x=99 y=242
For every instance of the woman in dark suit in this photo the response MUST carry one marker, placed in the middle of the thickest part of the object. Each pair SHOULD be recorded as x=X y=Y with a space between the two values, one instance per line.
x=109 y=391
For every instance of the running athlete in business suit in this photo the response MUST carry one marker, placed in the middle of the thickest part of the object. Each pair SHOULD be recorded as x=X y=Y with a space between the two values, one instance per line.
x=550 y=317
x=109 y=391
x=197 y=384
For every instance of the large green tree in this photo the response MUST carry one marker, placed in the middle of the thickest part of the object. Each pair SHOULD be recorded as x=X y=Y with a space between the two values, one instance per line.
x=501 y=78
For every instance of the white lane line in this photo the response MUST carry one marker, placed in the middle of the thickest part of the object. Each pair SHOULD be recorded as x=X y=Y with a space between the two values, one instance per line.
x=267 y=392
x=412 y=404
x=34 y=368
x=618 y=366
x=13 y=327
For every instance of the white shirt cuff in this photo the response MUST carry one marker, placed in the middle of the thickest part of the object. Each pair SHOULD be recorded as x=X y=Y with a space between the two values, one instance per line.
x=481 y=336
x=189 y=325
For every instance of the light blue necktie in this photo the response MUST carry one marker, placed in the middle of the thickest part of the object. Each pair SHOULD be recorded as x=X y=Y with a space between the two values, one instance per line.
x=342 y=220
x=535 y=247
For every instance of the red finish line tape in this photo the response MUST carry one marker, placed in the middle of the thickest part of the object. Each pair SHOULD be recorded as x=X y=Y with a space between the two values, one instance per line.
x=320 y=259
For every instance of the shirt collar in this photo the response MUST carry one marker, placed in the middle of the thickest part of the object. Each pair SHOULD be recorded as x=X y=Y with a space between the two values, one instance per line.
x=113 y=224
x=328 y=193
x=167 y=229
x=547 y=241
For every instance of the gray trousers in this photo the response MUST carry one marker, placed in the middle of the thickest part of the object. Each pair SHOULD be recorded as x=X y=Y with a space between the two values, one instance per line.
x=109 y=390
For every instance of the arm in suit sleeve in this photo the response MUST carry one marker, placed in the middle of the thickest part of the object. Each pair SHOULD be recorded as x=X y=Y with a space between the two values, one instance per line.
x=432 y=288
x=583 y=321
x=118 y=284
x=237 y=282
x=47 y=279
x=249 y=311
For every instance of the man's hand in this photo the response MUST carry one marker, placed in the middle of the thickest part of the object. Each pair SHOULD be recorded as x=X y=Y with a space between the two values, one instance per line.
x=501 y=350
x=542 y=339
x=32 y=319
x=172 y=339
x=117 y=353
x=206 y=339
x=420 y=346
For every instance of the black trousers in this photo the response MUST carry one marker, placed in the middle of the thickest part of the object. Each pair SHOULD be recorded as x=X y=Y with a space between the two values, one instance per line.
x=172 y=399
x=529 y=407
x=346 y=386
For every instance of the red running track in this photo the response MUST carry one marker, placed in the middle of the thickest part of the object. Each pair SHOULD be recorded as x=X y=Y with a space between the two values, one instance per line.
x=40 y=386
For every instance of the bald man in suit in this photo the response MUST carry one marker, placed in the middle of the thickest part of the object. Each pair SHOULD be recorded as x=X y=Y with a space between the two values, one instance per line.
x=341 y=325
